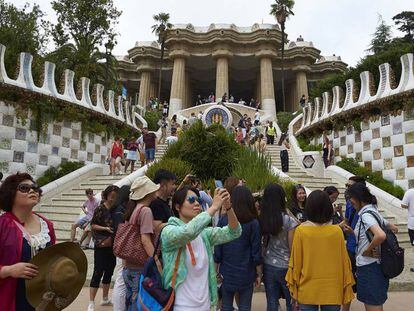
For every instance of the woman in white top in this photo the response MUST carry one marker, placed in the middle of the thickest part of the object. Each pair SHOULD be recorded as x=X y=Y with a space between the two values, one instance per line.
x=284 y=155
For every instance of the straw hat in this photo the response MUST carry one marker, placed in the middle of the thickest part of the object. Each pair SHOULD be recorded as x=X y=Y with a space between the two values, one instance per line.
x=62 y=274
x=141 y=187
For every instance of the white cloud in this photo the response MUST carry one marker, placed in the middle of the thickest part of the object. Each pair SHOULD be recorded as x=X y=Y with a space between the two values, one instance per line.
x=342 y=27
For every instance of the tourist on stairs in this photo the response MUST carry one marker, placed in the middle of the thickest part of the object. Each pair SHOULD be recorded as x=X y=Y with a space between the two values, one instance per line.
x=319 y=273
x=284 y=154
x=131 y=157
x=116 y=154
x=103 y=230
x=270 y=133
x=327 y=150
x=277 y=229
x=372 y=286
x=240 y=260
x=298 y=202
x=23 y=233
x=190 y=237
x=88 y=209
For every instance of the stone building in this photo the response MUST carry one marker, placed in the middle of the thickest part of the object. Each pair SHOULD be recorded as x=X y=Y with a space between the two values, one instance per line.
x=224 y=58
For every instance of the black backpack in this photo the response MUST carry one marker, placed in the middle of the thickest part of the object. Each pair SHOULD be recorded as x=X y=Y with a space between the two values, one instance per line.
x=391 y=254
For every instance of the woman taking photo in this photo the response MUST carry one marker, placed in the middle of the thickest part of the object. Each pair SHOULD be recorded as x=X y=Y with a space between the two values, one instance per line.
x=277 y=229
x=298 y=202
x=189 y=237
x=104 y=261
x=284 y=154
x=23 y=234
x=372 y=285
x=240 y=260
x=319 y=273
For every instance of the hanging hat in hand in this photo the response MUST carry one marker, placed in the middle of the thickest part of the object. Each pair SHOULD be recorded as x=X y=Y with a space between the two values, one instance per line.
x=62 y=274
x=141 y=187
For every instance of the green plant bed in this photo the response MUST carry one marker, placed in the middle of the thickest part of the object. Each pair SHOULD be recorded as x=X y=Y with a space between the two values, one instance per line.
x=305 y=145
x=375 y=178
x=210 y=153
x=54 y=173
x=178 y=167
x=152 y=118
x=284 y=119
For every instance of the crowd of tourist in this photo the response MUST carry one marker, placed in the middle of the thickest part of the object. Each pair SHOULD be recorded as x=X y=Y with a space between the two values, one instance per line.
x=215 y=247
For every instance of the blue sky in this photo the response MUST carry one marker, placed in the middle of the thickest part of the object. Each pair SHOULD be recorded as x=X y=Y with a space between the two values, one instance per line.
x=342 y=27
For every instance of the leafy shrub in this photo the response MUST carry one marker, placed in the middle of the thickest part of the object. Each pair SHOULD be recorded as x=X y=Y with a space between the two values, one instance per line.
x=152 y=118
x=178 y=167
x=284 y=119
x=54 y=173
x=305 y=145
x=211 y=152
x=255 y=169
x=375 y=178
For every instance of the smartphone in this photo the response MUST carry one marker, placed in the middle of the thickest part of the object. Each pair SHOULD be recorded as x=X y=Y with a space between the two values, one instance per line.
x=219 y=184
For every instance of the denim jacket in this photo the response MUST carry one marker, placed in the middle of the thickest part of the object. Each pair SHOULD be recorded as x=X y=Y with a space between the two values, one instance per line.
x=177 y=234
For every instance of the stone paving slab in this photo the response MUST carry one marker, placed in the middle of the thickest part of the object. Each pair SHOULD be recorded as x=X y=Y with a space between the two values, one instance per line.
x=397 y=301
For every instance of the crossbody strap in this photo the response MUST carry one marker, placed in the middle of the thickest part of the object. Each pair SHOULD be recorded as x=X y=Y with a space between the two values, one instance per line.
x=135 y=215
x=174 y=279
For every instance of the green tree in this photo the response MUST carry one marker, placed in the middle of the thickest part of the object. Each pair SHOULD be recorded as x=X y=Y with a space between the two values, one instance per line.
x=160 y=29
x=84 y=28
x=281 y=10
x=22 y=30
x=405 y=21
x=381 y=37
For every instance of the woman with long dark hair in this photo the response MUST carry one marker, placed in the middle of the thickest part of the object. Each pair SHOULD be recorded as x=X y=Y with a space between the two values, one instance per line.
x=190 y=238
x=298 y=202
x=327 y=151
x=284 y=155
x=104 y=262
x=277 y=229
x=240 y=260
x=319 y=274
x=372 y=285
x=23 y=233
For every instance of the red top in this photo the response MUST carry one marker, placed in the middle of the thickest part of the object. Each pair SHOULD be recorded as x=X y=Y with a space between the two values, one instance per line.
x=11 y=244
x=116 y=150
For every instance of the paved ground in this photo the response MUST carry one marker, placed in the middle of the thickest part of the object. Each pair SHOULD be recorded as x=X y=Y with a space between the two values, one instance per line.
x=397 y=301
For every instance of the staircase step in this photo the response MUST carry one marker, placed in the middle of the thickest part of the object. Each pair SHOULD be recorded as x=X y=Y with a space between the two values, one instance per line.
x=60 y=210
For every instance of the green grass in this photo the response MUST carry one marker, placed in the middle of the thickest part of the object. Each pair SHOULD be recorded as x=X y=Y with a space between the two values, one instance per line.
x=53 y=173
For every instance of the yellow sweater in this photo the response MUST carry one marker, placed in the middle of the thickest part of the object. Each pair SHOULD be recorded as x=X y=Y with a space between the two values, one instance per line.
x=319 y=270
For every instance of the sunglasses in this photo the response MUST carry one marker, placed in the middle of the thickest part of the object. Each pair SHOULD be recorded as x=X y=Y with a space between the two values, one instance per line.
x=191 y=199
x=25 y=188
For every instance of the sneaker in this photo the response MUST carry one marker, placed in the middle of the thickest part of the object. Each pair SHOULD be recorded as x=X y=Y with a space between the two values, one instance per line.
x=91 y=306
x=106 y=302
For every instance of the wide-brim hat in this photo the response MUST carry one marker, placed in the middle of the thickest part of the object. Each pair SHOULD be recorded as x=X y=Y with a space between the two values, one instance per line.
x=141 y=187
x=62 y=273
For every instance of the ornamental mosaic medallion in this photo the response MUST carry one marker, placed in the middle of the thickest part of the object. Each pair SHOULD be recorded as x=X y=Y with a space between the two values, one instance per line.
x=218 y=114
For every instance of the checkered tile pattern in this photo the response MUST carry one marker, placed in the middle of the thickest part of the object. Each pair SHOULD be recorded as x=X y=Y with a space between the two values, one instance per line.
x=20 y=150
x=385 y=145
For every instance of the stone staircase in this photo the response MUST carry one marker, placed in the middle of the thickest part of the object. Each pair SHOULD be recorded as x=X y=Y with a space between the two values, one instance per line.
x=312 y=182
x=64 y=209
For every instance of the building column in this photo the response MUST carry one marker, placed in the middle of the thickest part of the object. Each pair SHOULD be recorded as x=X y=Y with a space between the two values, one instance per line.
x=301 y=87
x=177 y=86
x=267 y=87
x=144 y=89
x=222 y=77
x=258 y=88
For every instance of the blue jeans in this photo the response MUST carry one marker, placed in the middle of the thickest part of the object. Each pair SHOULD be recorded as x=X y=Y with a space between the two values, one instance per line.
x=131 y=279
x=150 y=154
x=245 y=299
x=275 y=285
x=316 y=307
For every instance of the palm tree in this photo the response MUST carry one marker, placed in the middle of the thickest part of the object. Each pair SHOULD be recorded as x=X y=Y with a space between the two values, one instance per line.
x=281 y=10
x=160 y=29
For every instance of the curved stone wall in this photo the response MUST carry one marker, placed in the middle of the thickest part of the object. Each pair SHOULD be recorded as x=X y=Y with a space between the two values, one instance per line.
x=118 y=110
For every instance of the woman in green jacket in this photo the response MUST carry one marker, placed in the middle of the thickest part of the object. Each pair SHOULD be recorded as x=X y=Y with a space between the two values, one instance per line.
x=189 y=236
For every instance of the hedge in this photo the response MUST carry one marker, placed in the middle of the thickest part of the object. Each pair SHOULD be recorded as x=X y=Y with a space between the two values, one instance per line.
x=375 y=178
x=53 y=173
